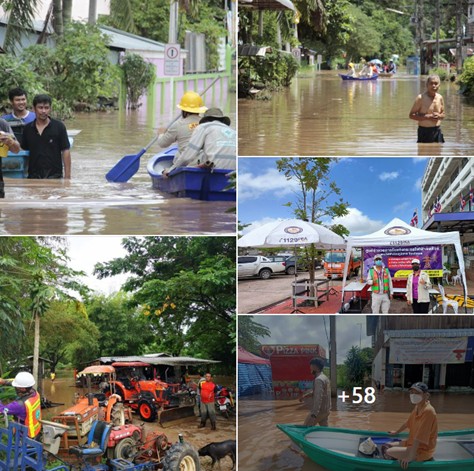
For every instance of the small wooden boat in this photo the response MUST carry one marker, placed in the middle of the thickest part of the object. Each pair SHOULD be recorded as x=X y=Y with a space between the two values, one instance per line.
x=337 y=449
x=16 y=165
x=360 y=79
x=191 y=182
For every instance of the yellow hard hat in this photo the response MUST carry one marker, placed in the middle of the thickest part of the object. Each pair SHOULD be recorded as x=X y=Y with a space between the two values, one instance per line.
x=192 y=103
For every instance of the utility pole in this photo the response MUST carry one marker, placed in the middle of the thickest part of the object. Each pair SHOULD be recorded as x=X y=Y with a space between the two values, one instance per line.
x=173 y=27
x=333 y=355
x=459 y=36
x=438 y=20
x=92 y=12
x=419 y=33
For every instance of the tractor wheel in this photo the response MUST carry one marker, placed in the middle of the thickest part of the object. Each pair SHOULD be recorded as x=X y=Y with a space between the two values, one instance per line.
x=117 y=414
x=126 y=449
x=181 y=457
x=147 y=411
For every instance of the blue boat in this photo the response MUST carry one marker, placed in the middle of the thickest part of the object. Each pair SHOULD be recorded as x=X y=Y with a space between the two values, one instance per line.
x=360 y=79
x=190 y=182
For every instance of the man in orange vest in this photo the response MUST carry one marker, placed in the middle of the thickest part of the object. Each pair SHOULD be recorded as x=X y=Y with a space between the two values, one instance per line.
x=382 y=288
x=27 y=406
x=208 y=396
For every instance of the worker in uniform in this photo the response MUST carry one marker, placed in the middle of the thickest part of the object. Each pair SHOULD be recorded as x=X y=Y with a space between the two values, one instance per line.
x=26 y=408
x=382 y=287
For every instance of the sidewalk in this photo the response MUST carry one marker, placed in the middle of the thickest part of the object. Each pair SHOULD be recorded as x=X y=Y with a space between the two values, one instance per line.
x=333 y=305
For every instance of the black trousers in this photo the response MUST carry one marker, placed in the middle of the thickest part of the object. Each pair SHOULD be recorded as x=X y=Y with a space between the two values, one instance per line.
x=420 y=308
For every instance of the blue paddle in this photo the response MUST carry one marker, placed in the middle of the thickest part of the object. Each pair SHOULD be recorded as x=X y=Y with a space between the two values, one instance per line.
x=128 y=166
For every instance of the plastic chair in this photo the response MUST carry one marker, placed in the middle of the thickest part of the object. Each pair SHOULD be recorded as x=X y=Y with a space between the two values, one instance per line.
x=457 y=277
x=447 y=302
x=96 y=444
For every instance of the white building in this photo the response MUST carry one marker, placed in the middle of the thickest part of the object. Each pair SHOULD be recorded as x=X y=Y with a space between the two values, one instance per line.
x=448 y=181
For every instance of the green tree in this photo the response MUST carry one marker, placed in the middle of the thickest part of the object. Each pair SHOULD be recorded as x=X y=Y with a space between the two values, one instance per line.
x=138 y=75
x=312 y=203
x=123 y=329
x=358 y=365
x=250 y=333
x=185 y=286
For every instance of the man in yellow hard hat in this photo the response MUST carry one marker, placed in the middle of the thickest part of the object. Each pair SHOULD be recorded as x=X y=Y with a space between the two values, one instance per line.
x=191 y=105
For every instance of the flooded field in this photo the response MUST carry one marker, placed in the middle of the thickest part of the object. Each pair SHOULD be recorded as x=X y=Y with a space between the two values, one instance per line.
x=320 y=114
x=263 y=447
x=88 y=204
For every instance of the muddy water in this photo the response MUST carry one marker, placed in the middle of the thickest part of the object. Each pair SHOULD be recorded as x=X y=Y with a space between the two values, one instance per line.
x=262 y=446
x=88 y=204
x=322 y=115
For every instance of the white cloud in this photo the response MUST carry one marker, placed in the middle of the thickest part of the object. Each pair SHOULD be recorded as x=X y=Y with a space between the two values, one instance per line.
x=384 y=176
x=358 y=223
x=418 y=185
x=270 y=182
x=401 y=206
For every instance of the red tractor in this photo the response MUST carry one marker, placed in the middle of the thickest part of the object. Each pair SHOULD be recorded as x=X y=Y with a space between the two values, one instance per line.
x=139 y=387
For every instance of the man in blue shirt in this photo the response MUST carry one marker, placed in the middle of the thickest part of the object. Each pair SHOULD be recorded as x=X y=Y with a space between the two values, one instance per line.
x=20 y=115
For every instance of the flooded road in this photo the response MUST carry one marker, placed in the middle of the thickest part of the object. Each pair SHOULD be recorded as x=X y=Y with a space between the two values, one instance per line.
x=320 y=114
x=263 y=447
x=88 y=204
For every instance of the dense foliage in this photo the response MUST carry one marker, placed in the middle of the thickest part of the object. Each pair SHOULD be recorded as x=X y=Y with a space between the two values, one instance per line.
x=138 y=76
x=358 y=365
x=76 y=70
x=466 y=80
x=251 y=334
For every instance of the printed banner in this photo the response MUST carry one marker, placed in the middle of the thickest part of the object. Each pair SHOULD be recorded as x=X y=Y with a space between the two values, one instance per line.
x=416 y=351
x=291 y=350
x=398 y=259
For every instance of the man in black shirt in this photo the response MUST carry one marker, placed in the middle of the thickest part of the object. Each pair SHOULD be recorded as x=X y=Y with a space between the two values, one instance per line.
x=46 y=139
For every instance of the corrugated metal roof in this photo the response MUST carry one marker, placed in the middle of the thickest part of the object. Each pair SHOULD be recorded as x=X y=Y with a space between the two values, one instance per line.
x=123 y=40
x=170 y=361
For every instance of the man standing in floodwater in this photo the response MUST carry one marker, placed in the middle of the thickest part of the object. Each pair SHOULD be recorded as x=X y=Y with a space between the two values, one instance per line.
x=46 y=139
x=428 y=110
x=321 y=406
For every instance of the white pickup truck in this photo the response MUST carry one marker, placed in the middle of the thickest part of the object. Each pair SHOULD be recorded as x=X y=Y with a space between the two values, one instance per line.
x=256 y=265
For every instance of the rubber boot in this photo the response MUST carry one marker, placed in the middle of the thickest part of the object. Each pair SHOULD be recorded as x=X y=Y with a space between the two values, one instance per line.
x=2 y=190
x=213 y=425
x=202 y=424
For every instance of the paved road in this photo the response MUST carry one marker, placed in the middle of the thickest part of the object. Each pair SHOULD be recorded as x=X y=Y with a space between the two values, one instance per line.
x=254 y=293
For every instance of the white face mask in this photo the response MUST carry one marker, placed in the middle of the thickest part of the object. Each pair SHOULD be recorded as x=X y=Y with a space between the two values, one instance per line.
x=415 y=398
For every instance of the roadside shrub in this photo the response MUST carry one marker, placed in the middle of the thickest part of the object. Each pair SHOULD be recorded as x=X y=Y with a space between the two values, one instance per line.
x=442 y=73
x=276 y=69
x=466 y=79
x=138 y=76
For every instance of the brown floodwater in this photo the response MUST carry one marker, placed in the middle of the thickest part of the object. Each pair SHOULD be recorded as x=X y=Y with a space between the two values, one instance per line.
x=263 y=447
x=320 y=114
x=88 y=204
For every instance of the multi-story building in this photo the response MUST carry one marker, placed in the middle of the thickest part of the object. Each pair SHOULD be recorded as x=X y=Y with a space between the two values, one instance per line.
x=437 y=350
x=447 y=202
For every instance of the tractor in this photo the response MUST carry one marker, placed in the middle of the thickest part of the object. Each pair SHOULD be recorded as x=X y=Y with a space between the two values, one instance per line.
x=140 y=389
x=18 y=451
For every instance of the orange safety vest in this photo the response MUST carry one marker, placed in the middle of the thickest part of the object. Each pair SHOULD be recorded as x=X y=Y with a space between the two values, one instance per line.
x=386 y=280
x=33 y=415
x=207 y=391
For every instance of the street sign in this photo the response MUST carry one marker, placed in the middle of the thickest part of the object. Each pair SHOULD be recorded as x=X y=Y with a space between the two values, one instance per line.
x=172 y=64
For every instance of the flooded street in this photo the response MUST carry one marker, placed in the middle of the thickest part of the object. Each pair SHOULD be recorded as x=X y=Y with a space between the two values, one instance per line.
x=88 y=204
x=263 y=447
x=320 y=114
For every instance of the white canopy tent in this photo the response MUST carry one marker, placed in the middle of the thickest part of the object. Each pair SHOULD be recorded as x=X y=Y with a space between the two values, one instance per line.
x=398 y=233
x=294 y=233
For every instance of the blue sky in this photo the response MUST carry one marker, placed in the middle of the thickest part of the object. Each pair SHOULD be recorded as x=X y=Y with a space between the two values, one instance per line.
x=377 y=189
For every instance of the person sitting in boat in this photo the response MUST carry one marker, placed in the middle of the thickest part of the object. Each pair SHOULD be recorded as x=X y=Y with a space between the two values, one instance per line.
x=366 y=70
x=191 y=106
x=351 y=72
x=392 y=68
x=375 y=70
x=212 y=145
x=423 y=426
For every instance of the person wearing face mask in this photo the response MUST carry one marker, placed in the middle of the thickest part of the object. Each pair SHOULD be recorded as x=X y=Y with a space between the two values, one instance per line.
x=423 y=431
x=382 y=287
x=418 y=285
x=321 y=406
